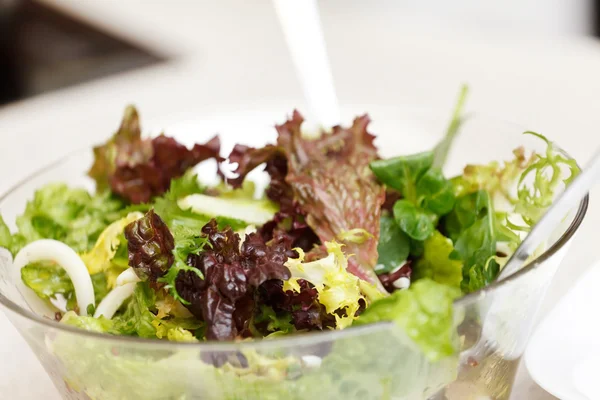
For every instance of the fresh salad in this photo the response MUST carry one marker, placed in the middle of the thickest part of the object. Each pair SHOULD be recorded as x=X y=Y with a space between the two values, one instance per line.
x=340 y=237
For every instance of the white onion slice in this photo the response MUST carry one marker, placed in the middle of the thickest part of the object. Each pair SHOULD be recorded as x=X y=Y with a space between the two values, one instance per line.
x=67 y=258
x=127 y=276
x=114 y=299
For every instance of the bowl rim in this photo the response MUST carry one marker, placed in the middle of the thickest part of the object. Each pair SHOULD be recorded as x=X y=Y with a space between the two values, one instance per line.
x=307 y=338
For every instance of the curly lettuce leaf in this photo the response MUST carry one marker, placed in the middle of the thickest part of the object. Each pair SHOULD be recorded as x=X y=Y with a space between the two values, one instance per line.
x=137 y=318
x=70 y=215
x=424 y=312
x=187 y=242
x=547 y=173
x=99 y=258
x=436 y=263
x=338 y=289
x=497 y=178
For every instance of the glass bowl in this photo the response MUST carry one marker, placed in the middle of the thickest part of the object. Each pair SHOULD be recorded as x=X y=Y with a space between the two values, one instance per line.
x=371 y=362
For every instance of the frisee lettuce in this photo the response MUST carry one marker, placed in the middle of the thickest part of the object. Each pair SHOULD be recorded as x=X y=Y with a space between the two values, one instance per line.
x=339 y=290
x=70 y=215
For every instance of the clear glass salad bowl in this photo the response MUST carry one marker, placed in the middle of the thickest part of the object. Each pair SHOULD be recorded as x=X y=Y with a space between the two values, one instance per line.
x=370 y=362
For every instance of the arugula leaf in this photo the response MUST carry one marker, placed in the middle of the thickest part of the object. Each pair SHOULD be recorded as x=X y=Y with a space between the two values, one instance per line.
x=435 y=192
x=468 y=208
x=424 y=311
x=403 y=172
x=436 y=262
x=418 y=223
x=476 y=246
x=393 y=246
x=473 y=227
x=441 y=150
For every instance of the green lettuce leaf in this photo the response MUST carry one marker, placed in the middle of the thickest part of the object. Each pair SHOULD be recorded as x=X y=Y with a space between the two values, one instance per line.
x=416 y=222
x=424 y=312
x=47 y=280
x=473 y=227
x=436 y=263
x=101 y=325
x=70 y=215
x=435 y=193
x=403 y=172
x=137 y=319
x=393 y=246
x=276 y=322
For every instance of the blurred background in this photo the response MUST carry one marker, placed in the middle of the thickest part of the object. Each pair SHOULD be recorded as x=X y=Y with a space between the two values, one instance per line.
x=64 y=63
x=51 y=44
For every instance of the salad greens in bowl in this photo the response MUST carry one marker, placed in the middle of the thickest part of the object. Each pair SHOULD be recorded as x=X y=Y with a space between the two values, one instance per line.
x=349 y=275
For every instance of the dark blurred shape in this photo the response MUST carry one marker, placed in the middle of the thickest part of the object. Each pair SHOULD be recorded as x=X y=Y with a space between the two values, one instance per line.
x=42 y=49
x=596 y=17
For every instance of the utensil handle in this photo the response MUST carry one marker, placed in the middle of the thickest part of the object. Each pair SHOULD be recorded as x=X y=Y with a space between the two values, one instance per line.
x=301 y=27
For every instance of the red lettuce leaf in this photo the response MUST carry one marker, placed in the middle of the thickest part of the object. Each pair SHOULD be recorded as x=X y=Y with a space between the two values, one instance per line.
x=290 y=221
x=224 y=298
x=138 y=169
x=150 y=246
x=325 y=185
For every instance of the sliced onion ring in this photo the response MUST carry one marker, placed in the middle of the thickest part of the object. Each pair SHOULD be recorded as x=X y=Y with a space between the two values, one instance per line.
x=127 y=276
x=114 y=299
x=68 y=259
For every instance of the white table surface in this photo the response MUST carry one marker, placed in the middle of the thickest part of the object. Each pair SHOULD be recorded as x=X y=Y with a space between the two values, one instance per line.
x=229 y=55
